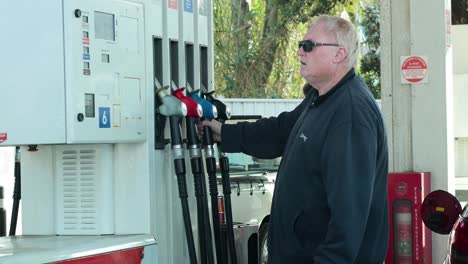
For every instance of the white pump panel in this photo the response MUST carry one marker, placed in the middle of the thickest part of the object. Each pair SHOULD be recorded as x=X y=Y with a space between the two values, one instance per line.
x=84 y=189
x=104 y=64
x=80 y=75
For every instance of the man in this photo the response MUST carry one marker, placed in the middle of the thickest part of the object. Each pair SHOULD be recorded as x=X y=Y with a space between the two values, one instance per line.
x=330 y=201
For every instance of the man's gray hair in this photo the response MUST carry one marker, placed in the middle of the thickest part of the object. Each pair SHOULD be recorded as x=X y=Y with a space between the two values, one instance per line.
x=345 y=33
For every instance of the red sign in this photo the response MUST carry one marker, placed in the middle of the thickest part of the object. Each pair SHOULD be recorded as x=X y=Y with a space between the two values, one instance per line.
x=3 y=137
x=414 y=69
x=172 y=4
x=86 y=41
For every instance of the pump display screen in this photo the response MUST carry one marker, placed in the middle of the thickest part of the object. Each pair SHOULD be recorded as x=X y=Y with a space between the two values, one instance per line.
x=89 y=105
x=104 y=26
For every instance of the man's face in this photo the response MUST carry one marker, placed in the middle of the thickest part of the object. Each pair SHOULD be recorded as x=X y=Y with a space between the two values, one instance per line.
x=318 y=64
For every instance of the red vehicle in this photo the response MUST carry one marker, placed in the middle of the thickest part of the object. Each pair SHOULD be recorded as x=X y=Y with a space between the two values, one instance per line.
x=442 y=213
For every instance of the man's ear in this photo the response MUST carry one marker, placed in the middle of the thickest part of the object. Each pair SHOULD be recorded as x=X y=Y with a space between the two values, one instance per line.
x=340 y=55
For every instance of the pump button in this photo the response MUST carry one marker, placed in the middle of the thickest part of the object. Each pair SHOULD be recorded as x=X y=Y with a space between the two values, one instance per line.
x=80 y=117
x=77 y=13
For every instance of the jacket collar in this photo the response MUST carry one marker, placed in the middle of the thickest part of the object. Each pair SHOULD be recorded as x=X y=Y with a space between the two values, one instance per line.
x=318 y=99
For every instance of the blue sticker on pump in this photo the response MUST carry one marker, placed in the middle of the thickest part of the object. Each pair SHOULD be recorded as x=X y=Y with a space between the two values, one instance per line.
x=85 y=56
x=188 y=6
x=104 y=117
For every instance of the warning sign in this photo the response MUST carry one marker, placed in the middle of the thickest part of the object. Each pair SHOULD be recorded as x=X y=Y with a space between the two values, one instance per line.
x=3 y=137
x=414 y=69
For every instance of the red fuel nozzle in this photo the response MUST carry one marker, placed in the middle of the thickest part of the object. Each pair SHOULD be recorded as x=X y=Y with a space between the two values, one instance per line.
x=193 y=108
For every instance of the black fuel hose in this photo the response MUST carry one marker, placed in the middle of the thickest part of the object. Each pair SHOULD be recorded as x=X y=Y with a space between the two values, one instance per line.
x=16 y=193
x=179 y=167
x=2 y=215
x=196 y=161
x=224 y=166
x=224 y=114
x=212 y=181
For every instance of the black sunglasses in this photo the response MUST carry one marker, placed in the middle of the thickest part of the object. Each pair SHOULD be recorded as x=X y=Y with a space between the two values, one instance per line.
x=308 y=45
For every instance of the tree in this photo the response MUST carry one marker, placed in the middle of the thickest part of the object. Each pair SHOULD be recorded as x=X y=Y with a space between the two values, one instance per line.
x=370 y=61
x=252 y=38
x=459 y=12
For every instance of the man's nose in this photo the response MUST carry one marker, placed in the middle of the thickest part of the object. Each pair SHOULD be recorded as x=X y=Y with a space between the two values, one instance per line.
x=300 y=52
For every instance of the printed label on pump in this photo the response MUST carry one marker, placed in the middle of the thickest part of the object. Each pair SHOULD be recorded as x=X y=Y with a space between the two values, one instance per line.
x=202 y=8
x=172 y=4
x=188 y=6
x=3 y=137
x=104 y=117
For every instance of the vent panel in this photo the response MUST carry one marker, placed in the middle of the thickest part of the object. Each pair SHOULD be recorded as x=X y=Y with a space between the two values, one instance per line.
x=78 y=179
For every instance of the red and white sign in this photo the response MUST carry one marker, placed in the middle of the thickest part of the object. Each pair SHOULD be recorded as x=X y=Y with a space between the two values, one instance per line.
x=414 y=69
x=3 y=137
x=172 y=4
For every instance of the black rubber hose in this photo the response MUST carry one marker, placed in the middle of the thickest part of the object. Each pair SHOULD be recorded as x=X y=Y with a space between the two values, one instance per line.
x=206 y=217
x=204 y=228
x=213 y=184
x=2 y=215
x=179 y=167
x=16 y=193
x=224 y=114
x=224 y=166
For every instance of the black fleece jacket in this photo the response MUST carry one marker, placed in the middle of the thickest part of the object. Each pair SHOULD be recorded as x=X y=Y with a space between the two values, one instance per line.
x=330 y=201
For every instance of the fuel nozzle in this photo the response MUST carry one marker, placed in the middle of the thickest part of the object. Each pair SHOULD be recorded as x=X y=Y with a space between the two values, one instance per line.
x=224 y=113
x=170 y=105
x=193 y=108
x=209 y=110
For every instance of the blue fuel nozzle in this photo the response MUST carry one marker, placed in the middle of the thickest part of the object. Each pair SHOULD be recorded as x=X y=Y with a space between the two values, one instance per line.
x=209 y=110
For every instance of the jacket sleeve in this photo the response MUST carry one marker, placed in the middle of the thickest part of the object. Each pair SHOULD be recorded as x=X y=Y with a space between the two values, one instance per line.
x=349 y=165
x=264 y=138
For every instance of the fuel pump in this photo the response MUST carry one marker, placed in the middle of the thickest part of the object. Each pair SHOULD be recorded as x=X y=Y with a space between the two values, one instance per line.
x=179 y=165
x=194 y=148
x=224 y=114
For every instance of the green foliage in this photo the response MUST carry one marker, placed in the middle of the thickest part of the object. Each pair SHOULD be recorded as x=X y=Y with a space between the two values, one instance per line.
x=256 y=45
x=285 y=80
x=370 y=61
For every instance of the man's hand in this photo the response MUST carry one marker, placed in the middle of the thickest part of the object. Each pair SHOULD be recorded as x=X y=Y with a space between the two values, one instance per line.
x=215 y=128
